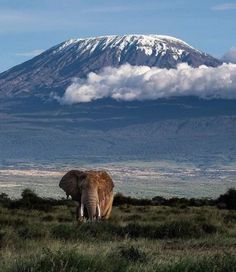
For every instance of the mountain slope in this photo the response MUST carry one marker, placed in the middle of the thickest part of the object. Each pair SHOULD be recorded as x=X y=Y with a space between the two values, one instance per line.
x=179 y=129
x=36 y=130
x=55 y=68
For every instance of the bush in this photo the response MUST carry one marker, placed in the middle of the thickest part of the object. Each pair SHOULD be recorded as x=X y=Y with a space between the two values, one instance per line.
x=47 y=218
x=2 y=238
x=31 y=201
x=102 y=230
x=108 y=230
x=4 y=198
x=230 y=217
x=64 y=232
x=132 y=254
x=62 y=218
x=120 y=199
x=28 y=194
x=158 y=200
x=183 y=229
x=133 y=217
x=31 y=232
x=12 y=221
x=227 y=200
x=171 y=230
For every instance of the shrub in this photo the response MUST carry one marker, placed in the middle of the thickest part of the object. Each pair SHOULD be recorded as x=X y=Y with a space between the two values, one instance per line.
x=47 y=218
x=158 y=200
x=28 y=194
x=184 y=229
x=170 y=230
x=108 y=230
x=135 y=230
x=133 y=217
x=4 y=198
x=64 y=232
x=132 y=254
x=120 y=199
x=86 y=231
x=12 y=221
x=2 y=238
x=209 y=228
x=31 y=201
x=31 y=232
x=230 y=217
x=62 y=218
x=227 y=200
x=102 y=230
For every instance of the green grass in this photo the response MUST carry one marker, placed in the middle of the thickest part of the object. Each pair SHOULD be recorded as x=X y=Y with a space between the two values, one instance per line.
x=136 y=238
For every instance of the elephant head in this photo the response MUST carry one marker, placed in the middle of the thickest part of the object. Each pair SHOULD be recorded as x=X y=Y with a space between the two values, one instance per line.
x=93 y=190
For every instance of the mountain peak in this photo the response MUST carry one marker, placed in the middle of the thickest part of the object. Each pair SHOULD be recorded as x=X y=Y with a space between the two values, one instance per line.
x=143 y=42
x=55 y=68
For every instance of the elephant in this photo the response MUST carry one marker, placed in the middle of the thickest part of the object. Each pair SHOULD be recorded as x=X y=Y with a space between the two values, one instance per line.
x=93 y=192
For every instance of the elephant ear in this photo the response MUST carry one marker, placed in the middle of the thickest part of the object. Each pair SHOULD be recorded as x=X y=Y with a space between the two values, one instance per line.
x=105 y=185
x=71 y=183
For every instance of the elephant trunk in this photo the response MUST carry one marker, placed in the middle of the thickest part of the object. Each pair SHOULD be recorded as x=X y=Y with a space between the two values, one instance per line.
x=89 y=200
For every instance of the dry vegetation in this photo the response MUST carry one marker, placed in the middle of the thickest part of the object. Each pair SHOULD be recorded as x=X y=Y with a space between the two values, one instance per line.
x=42 y=235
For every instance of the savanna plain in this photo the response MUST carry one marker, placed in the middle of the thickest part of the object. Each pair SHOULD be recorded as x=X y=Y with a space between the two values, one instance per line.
x=177 y=234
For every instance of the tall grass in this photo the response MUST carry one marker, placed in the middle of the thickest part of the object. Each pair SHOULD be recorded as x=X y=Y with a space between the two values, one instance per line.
x=125 y=259
x=138 y=237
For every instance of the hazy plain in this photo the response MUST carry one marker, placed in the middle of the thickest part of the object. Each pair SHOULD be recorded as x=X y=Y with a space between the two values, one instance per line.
x=135 y=178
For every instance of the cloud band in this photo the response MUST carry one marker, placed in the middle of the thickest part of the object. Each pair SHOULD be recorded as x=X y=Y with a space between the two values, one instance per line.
x=144 y=83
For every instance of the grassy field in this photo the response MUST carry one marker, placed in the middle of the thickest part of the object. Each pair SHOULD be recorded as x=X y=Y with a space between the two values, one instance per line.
x=136 y=238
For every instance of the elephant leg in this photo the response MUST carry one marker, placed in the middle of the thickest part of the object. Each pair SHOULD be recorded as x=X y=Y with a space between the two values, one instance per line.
x=107 y=212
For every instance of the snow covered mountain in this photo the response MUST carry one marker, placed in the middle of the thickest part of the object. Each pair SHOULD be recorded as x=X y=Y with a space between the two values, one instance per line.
x=54 y=68
x=187 y=129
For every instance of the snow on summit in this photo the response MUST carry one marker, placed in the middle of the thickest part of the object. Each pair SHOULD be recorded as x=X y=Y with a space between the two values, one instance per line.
x=55 y=68
x=148 y=43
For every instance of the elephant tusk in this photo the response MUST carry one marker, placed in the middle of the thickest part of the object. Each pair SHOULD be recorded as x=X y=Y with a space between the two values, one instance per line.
x=99 y=211
x=81 y=210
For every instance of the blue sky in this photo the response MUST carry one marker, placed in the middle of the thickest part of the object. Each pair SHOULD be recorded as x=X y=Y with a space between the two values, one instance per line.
x=29 y=26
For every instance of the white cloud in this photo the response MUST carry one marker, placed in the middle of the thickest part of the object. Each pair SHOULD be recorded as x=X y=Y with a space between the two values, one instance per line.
x=144 y=83
x=226 y=6
x=230 y=56
x=32 y=53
